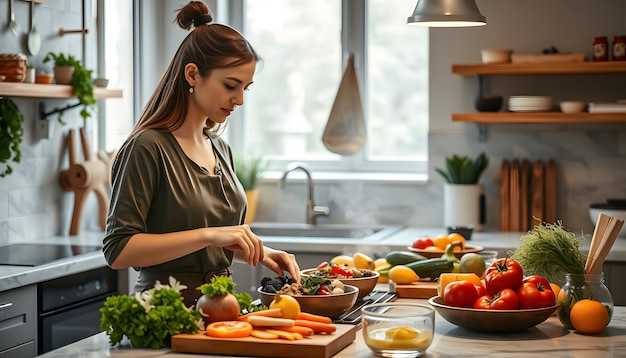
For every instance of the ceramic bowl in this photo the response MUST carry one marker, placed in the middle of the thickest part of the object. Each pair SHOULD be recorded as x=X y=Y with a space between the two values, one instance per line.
x=364 y=284
x=101 y=82
x=436 y=254
x=492 y=320
x=465 y=231
x=44 y=78
x=572 y=106
x=488 y=103
x=331 y=306
x=618 y=211
x=492 y=56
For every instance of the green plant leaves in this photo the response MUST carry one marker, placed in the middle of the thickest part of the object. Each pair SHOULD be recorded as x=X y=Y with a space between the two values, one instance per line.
x=249 y=170
x=463 y=170
x=81 y=82
x=11 y=133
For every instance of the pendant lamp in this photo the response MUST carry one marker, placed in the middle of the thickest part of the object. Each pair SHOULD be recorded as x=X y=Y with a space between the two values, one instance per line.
x=446 y=13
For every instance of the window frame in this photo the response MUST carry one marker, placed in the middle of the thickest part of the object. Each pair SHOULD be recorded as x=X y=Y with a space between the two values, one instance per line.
x=353 y=40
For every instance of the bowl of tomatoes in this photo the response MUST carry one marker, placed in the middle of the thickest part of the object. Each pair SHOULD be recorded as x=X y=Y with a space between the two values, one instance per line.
x=490 y=320
x=435 y=247
x=364 y=280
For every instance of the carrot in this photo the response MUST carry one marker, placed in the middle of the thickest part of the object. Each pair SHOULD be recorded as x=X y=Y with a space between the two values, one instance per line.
x=318 y=327
x=258 y=321
x=272 y=312
x=314 y=317
x=282 y=334
x=305 y=331
x=259 y=333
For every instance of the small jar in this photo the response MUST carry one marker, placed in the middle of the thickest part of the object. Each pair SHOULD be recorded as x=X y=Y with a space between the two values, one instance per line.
x=581 y=286
x=619 y=48
x=601 y=49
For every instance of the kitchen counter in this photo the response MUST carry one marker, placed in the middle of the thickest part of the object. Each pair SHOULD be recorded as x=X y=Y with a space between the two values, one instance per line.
x=548 y=339
x=17 y=276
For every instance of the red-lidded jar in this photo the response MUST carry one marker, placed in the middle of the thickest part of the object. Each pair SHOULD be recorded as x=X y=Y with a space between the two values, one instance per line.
x=619 y=48
x=601 y=49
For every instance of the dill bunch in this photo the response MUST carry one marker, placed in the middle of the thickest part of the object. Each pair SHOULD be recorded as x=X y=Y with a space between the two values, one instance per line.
x=550 y=251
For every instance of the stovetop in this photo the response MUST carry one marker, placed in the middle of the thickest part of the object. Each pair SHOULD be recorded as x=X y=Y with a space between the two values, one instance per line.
x=27 y=254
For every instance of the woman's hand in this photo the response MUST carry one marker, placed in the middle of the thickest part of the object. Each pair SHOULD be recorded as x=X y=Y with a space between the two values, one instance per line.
x=247 y=246
x=280 y=261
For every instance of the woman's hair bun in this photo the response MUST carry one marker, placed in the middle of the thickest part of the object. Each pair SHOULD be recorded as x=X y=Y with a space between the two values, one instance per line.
x=194 y=14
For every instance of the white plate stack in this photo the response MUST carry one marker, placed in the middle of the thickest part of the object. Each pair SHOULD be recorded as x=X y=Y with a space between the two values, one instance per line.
x=530 y=103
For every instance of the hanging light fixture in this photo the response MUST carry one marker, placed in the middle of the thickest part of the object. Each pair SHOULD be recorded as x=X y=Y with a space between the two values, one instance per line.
x=446 y=13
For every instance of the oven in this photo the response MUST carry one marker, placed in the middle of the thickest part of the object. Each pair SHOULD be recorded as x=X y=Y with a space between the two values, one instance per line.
x=69 y=307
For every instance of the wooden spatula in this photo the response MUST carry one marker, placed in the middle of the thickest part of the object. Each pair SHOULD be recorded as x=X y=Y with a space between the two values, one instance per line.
x=538 y=186
x=504 y=195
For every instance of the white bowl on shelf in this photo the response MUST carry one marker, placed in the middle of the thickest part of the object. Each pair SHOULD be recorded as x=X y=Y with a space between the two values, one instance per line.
x=493 y=56
x=572 y=106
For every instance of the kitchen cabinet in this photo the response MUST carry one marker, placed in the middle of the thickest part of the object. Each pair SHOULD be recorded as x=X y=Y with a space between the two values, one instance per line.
x=573 y=68
x=614 y=279
x=18 y=322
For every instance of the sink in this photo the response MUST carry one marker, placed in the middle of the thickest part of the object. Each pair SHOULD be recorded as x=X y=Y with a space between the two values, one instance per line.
x=344 y=231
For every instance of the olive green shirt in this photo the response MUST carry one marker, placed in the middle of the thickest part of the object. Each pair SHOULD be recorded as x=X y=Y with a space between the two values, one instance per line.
x=157 y=189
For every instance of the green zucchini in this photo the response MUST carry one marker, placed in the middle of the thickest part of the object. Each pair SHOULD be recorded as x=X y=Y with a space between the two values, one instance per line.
x=431 y=268
x=403 y=257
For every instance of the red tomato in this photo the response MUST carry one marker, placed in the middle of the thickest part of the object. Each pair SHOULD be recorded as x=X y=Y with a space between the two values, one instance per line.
x=505 y=299
x=535 y=292
x=423 y=242
x=460 y=294
x=503 y=273
x=480 y=289
x=483 y=302
x=323 y=290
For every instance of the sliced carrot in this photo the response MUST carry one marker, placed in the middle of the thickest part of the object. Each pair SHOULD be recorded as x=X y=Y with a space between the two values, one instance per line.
x=318 y=327
x=305 y=331
x=263 y=334
x=314 y=317
x=282 y=334
x=297 y=336
x=259 y=321
x=272 y=312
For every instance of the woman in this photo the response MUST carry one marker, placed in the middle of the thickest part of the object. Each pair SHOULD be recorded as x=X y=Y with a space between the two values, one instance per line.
x=177 y=207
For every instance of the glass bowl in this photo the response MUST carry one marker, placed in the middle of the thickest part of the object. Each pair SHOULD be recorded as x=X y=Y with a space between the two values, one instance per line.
x=398 y=329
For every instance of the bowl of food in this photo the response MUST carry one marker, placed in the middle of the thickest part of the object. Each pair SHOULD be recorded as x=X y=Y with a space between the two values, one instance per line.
x=364 y=280
x=489 y=320
x=331 y=305
x=398 y=329
x=433 y=252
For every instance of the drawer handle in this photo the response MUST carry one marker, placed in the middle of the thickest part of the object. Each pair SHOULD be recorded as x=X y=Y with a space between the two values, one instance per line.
x=5 y=306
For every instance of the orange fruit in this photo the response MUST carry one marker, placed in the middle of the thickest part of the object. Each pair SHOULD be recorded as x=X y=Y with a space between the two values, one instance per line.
x=455 y=236
x=433 y=248
x=556 y=289
x=588 y=316
x=441 y=241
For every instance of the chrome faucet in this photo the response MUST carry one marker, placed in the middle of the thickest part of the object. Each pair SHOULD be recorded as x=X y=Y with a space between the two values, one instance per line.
x=312 y=211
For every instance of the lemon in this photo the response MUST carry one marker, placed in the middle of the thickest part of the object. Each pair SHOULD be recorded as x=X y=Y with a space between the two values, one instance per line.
x=363 y=262
x=343 y=260
x=402 y=275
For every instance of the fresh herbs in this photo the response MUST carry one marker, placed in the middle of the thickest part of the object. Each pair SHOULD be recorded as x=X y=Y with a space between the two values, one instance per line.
x=222 y=285
x=550 y=251
x=11 y=133
x=311 y=284
x=150 y=318
x=249 y=170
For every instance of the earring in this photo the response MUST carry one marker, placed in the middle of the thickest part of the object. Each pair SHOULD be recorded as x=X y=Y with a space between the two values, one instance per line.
x=190 y=89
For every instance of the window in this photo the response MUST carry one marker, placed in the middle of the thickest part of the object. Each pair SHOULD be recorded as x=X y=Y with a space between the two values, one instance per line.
x=117 y=115
x=305 y=45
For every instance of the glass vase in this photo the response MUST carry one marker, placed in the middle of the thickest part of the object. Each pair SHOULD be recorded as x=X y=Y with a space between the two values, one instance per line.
x=583 y=286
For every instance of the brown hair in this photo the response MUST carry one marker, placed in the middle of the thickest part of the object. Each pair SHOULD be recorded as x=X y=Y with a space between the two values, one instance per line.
x=210 y=46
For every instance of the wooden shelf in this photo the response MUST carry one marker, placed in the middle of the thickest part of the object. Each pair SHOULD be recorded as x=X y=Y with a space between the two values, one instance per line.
x=538 y=117
x=540 y=68
x=35 y=90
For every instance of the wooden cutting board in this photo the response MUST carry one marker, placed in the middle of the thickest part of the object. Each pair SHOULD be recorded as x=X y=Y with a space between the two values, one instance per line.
x=551 y=192
x=538 y=188
x=316 y=346
x=504 y=195
x=415 y=289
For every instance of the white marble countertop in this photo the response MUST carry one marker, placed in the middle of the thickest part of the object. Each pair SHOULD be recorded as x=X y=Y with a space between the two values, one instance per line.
x=548 y=339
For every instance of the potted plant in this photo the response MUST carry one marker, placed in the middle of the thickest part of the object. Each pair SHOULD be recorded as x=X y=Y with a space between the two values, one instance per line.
x=464 y=201
x=69 y=70
x=11 y=134
x=249 y=170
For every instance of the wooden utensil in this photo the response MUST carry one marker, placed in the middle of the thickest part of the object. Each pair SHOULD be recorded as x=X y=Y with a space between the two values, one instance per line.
x=504 y=195
x=610 y=234
x=538 y=188
x=514 y=213
x=345 y=131
x=551 y=192
x=524 y=190
x=598 y=233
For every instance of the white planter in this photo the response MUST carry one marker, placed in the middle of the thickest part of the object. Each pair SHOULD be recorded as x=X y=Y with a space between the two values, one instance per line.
x=462 y=205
